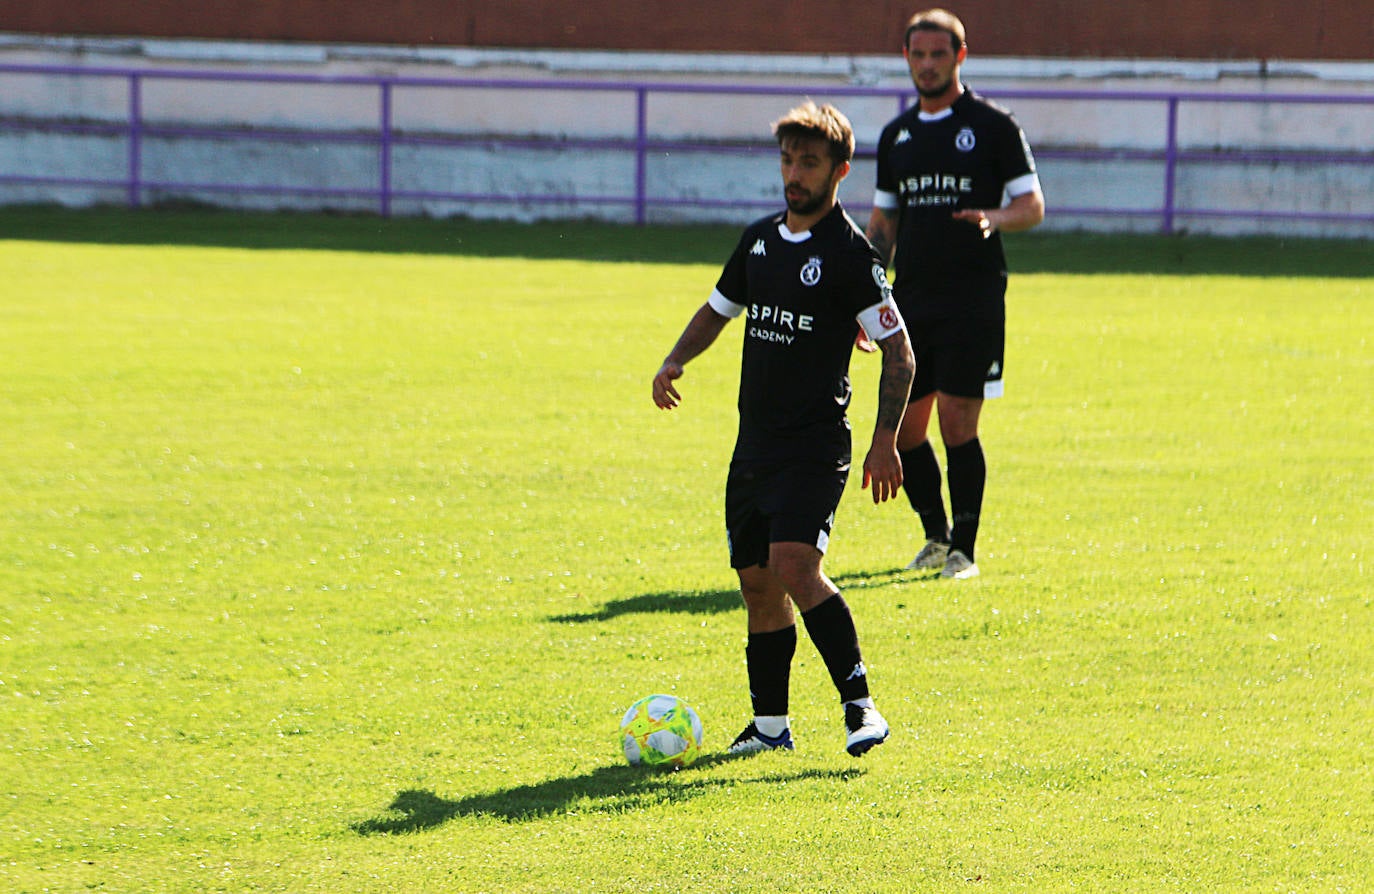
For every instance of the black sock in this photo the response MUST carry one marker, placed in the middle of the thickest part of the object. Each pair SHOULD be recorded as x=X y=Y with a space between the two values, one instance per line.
x=769 y=659
x=831 y=628
x=968 y=472
x=921 y=481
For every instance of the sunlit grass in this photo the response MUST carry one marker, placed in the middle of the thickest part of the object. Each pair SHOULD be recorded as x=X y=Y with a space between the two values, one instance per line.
x=327 y=568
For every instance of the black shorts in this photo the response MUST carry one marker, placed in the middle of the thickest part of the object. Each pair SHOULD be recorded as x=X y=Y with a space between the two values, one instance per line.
x=962 y=360
x=793 y=503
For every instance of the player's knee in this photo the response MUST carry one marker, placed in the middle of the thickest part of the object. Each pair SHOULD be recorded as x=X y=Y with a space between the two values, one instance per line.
x=798 y=569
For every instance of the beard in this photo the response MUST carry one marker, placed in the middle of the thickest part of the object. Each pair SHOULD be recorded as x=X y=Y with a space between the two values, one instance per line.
x=938 y=89
x=808 y=203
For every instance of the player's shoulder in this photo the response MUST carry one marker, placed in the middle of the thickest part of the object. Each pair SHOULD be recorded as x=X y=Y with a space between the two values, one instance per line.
x=845 y=234
x=759 y=230
x=905 y=121
x=763 y=226
x=972 y=104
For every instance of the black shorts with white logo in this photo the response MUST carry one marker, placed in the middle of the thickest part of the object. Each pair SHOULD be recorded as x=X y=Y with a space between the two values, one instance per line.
x=966 y=363
x=791 y=503
x=958 y=334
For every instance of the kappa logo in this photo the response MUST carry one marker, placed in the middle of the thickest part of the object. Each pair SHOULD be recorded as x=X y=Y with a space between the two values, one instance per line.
x=759 y=250
x=858 y=671
x=995 y=370
x=903 y=136
x=964 y=140
x=811 y=272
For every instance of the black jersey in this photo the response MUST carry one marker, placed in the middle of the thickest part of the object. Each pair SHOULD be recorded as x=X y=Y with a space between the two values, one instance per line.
x=800 y=296
x=930 y=168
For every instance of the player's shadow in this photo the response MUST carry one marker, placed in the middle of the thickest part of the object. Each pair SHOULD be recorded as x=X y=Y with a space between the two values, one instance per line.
x=709 y=602
x=609 y=790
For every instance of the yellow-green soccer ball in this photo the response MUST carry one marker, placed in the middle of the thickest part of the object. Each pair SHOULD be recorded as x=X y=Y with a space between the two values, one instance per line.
x=661 y=731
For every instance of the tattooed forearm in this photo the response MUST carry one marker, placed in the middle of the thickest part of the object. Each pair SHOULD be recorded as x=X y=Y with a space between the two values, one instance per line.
x=894 y=385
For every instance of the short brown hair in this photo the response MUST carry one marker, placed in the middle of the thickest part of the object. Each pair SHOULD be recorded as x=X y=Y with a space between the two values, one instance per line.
x=936 y=20
x=825 y=122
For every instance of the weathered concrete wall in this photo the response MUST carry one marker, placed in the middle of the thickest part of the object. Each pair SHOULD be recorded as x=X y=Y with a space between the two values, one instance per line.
x=326 y=171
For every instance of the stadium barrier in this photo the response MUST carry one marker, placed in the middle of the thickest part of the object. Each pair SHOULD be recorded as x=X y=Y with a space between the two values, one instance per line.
x=625 y=150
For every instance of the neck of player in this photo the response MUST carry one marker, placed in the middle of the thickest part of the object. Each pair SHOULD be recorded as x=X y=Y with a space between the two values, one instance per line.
x=800 y=223
x=933 y=104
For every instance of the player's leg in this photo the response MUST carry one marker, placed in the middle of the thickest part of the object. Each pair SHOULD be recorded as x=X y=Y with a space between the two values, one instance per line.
x=830 y=625
x=973 y=373
x=921 y=470
x=799 y=534
x=828 y=620
x=772 y=629
x=768 y=658
x=968 y=472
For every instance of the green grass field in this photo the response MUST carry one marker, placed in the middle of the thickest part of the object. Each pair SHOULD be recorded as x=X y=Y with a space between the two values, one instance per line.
x=332 y=548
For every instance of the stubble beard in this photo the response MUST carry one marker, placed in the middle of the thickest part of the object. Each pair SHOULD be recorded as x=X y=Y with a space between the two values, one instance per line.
x=810 y=205
x=937 y=91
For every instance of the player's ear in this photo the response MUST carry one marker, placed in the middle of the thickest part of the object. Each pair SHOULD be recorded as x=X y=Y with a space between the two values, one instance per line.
x=960 y=56
x=841 y=171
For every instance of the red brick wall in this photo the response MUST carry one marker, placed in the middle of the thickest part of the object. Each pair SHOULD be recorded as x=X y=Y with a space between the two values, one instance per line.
x=1189 y=29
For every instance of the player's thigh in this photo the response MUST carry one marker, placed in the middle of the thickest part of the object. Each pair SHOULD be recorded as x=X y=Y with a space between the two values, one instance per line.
x=801 y=504
x=971 y=367
x=916 y=422
x=958 y=418
x=746 y=522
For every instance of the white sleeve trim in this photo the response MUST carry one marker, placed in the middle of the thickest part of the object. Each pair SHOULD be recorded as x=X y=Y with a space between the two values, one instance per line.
x=885 y=200
x=724 y=306
x=1023 y=184
x=881 y=320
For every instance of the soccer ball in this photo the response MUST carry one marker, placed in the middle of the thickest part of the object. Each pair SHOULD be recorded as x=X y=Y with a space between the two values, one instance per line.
x=661 y=731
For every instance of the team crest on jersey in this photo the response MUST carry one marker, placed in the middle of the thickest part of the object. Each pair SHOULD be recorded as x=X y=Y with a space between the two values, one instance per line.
x=811 y=272
x=964 y=140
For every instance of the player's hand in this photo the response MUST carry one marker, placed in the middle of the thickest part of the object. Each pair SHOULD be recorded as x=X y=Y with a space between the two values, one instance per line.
x=865 y=344
x=979 y=219
x=883 y=470
x=665 y=395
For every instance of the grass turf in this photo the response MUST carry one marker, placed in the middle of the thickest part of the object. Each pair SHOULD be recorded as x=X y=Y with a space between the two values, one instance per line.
x=332 y=549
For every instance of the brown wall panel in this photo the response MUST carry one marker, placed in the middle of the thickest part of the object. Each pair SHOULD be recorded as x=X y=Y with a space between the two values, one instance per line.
x=1189 y=29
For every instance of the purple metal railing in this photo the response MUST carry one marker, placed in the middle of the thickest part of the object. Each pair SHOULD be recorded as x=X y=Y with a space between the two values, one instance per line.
x=386 y=137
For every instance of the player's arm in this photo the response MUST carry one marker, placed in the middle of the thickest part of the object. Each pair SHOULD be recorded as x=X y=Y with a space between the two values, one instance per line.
x=883 y=323
x=882 y=232
x=1021 y=213
x=706 y=324
x=883 y=466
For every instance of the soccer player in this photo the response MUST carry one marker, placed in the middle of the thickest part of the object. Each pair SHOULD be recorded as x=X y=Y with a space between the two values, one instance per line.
x=803 y=281
x=944 y=166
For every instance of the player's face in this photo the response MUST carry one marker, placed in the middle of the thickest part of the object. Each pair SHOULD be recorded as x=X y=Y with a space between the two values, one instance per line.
x=809 y=174
x=933 y=62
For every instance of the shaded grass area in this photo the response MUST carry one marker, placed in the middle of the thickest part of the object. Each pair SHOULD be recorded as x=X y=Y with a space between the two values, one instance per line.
x=1034 y=252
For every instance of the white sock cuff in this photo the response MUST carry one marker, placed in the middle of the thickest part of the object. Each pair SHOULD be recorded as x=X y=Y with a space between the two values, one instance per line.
x=772 y=725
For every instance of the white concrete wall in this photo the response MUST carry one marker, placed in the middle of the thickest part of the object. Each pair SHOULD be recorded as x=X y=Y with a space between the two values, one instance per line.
x=326 y=171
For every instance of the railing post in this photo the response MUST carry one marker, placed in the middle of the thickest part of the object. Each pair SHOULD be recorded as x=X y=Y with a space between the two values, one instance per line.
x=135 y=186
x=641 y=153
x=384 y=159
x=1170 y=163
